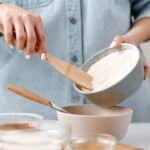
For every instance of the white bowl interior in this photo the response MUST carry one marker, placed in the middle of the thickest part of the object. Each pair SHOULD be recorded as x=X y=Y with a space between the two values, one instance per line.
x=99 y=56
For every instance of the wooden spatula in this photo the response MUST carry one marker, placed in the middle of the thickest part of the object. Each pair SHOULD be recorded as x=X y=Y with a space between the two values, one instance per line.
x=71 y=72
x=68 y=70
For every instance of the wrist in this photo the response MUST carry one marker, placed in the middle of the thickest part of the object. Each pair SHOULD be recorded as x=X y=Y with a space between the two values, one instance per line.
x=128 y=38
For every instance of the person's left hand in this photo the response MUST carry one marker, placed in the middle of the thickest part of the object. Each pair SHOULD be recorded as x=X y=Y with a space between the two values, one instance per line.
x=123 y=39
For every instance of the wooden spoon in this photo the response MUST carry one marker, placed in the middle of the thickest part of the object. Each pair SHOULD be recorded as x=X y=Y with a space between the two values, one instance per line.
x=68 y=70
x=34 y=97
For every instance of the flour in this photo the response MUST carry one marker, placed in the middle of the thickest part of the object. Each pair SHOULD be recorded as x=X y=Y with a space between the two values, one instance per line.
x=112 y=68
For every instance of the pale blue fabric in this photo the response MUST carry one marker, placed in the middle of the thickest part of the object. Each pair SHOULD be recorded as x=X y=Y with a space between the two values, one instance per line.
x=75 y=30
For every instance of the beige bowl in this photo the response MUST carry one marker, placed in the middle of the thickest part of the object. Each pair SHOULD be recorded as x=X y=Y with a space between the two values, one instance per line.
x=89 y=120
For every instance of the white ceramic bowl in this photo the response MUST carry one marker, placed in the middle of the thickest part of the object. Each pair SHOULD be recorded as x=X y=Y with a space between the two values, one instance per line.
x=89 y=120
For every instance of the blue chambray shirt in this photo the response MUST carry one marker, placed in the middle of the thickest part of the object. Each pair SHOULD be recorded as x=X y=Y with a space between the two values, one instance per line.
x=75 y=30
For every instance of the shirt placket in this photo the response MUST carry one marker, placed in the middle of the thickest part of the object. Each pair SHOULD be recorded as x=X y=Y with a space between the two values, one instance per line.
x=74 y=41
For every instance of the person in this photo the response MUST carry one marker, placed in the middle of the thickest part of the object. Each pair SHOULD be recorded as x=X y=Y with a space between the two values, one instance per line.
x=72 y=30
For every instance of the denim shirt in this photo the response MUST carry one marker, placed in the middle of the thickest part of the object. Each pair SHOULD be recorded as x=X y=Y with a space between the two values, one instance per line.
x=75 y=30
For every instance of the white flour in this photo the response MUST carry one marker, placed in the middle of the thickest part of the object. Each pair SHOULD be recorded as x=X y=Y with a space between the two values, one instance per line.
x=112 y=68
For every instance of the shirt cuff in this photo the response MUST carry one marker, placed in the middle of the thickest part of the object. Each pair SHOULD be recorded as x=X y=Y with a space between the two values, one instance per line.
x=144 y=14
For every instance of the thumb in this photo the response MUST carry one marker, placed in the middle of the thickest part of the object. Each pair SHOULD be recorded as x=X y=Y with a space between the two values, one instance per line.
x=117 y=41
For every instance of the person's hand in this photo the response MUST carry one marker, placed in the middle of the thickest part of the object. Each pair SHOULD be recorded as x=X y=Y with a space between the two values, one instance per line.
x=23 y=29
x=124 y=39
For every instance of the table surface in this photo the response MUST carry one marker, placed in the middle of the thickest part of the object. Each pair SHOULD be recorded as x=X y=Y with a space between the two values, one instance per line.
x=138 y=135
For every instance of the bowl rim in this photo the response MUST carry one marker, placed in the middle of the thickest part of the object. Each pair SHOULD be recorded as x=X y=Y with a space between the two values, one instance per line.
x=128 y=112
x=13 y=114
x=102 y=52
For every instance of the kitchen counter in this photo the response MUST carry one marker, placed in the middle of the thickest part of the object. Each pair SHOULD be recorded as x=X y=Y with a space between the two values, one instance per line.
x=138 y=135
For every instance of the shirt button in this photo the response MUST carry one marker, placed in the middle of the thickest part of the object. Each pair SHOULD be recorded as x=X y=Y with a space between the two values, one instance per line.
x=73 y=20
x=74 y=58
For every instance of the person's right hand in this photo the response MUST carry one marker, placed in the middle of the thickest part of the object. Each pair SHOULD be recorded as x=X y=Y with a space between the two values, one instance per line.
x=23 y=29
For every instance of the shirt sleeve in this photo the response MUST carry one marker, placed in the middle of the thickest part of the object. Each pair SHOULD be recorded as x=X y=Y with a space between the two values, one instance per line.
x=140 y=9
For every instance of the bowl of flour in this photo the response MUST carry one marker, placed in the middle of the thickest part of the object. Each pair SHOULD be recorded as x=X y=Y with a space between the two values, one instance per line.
x=116 y=75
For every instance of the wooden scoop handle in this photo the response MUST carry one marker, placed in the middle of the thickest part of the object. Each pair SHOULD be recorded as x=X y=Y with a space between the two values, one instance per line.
x=29 y=95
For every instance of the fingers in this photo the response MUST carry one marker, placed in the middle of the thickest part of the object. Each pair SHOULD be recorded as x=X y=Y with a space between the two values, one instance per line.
x=146 y=72
x=20 y=33
x=117 y=41
x=31 y=36
x=26 y=31
x=42 y=47
x=8 y=31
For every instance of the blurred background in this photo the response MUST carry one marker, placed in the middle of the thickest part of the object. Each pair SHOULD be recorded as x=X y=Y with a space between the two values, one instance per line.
x=146 y=50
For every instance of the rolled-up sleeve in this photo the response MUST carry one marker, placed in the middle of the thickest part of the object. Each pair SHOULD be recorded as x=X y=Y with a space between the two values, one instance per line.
x=140 y=9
